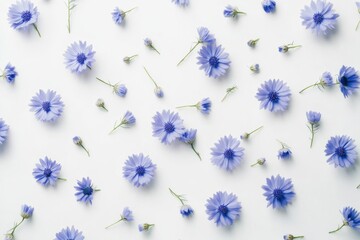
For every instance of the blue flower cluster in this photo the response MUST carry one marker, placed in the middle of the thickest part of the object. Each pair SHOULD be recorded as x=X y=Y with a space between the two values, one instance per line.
x=223 y=208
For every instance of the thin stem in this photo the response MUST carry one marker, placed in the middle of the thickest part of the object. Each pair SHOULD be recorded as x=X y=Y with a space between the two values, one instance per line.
x=121 y=219
x=239 y=12
x=185 y=106
x=193 y=148
x=116 y=127
x=150 y=77
x=358 y=186
x=254 y=164
x=62 y=179
x=312 y=85
x=129 y=10
x=338 y=228
x=16 y=225
x=85 y=149
x=155 y=49
x=68 y=15
x=177 y=196
x=88 y=67
x=103 y=107
x=297 y=237
x=37 y=30
x=283 y=145
x=97 y=190
x=357 y=26
x=255 y=130
x=189 y=53
x=228 y=91
x=293 y=46
x=131 y=57
x=312 y=135
x=105 y=82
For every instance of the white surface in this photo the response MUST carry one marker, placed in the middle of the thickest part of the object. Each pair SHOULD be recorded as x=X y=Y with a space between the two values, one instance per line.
x=321 y=189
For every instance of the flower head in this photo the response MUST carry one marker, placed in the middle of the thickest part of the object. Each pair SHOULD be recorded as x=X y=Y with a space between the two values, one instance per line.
x=291 y=237
x=79 y=57
x=285 y=48
x=26 y=211
x=46 y=172
x=167 y=126
x=69 y=233
x=351 y=219
x=313 y=117
x=188 y=136
x=148 y=42
x=284 y=152
x=319 y=16
x=230 y=11
x=78 y=141
x=349 y=80
x=213 y=60
x=127 y=215
x=224 y=208
x=9 y=73
x=159 y=92
x=145 y=227
x=269 y=6
x=205 y=36
x=120 y=90
x=326 y=79
x=204 y=106
x=85 y=191
x=227 y=153
x=252 y=42
x=260 y=161
x=101 y=104
x=186 y=210
x=274 y=95
x=4 y=129
x=22 y=14
x=255 y=68
x=139 y=170
x=278 y=191
x=118 y=15
x=182 y=3
x=48 y=106
x=341 y=150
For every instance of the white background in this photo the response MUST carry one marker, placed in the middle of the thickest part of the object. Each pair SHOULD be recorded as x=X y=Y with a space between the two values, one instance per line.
x=321 y=190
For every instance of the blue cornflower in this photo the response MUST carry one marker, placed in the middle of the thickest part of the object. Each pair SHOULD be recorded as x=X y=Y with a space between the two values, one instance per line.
x=213 y=60
x=274 y=95
x=47 y=172
x=182 y=3
x=9 y=73
x=341 y=150
x=284 y=152
x=351 y=219
x=79 y=57
x=230 y=11
x=205 y=37
x=139 y=170
x=189 y=137
x=22 y=15
x=285 y=48
x=278 y=191
x=349 y=80
x=78 y=141
x=269 y=6
x=227 y=153
x=69 y=233
x=119 y=89
x=167 y=126
x=145 y=226
x=26 y=211
x=185 y=210
x=148 y=42
x=48 y=106
x=125 y=216
x=313 y=119
x=224 y=208
x=291 y=237
x=158 y=90
x=326 y=80
x=255 y=68
x=85 y=190
x=4 y=129
x=203 y=106
x=128 y=120
x=119 y=15
x=320 y=17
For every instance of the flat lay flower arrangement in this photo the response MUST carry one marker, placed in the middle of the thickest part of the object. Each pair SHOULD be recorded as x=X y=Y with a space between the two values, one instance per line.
x=179 y=119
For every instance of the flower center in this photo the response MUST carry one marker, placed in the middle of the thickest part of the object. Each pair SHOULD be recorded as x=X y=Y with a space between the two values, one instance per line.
x=140 y=170
x=344 y=81
x=223 y=209
x=214 y=62
x=278 y=194
x=46 y=106
x=340 y=151
x=273 y=97
x=318 y=18
x=229 y=154
x=26 y=16
x=88 y=191
x=81 y=58
x=169 y=127
x=47 y=172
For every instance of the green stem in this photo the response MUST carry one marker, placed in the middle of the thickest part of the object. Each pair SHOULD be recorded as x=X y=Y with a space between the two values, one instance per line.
x=254 y=164
x=293 y=46
x=88 y=67
x=344 y=224
x=130 y=10
x=105 y=82
x=155 y=49
x=177 y=196
x=85 y=149
x=239 y=12
x=150 y=77
x=358 y=186
x=185 y=106
x=116 y=127
x=312 y=135
x=193 y=148
x=103 y=107
x=68 y=16
x=62 y=179
x=357 y=26
x=255 y=130
x=297 y=237
x=131 y=57
x=121 y=219
x=189 y=53
x=37 y=30
x=16 y=225
x=312 y=85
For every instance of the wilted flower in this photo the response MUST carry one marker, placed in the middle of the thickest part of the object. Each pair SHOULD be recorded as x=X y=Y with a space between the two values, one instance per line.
x=203 y=106
x=119 y=15
x=255 y=68
x=230 y=11
x=285 y=48
x=145 y=226
x=129 y=59
x=326 y=80
x=185 y=210
x=158 y=90
x=101 y=104
x=260 y=161
x=78 y=141
x=252 y=43
x=149 y=43
x=127 y=121
x=9 y=73
x=284 y=152
x=125 y=216
x=245 y=136
x=119 y=89
x=291 y=237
